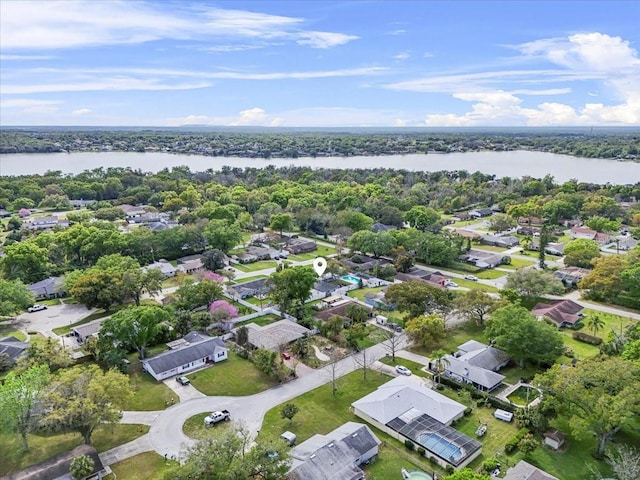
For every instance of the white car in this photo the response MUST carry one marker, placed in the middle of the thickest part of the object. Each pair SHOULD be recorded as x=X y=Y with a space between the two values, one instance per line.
x=473 y=278
x=403 y=370
x=36 y=308
x=450 y=284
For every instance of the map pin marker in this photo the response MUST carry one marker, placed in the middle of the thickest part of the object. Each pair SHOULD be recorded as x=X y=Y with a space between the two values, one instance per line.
x=319 y=265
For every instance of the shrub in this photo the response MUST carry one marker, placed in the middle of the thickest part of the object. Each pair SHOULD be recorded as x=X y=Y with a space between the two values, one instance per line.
x=468 y=411
x=490 y=464
x=577 y=326
x=421 y=451
x=449 y=469
x=433 y=460
x=586 y=338
x=569 y=353
x=243 y=353
x=409 y=444
x=512 y=444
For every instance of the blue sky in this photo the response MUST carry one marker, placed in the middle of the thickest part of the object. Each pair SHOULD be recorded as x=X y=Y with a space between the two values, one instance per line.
x=319 y=64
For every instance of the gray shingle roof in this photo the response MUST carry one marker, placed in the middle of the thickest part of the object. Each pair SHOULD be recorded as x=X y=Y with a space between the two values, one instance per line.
x=275 y=334
x=478 y=375
x=200 y=347
x=526 y=471
x=12 y=347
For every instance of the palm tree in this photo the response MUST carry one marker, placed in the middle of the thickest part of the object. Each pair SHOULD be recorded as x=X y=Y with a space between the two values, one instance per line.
x=439 y=361
x=595 y=323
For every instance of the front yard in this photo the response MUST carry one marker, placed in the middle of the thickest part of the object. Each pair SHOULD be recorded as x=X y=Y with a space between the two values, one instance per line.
x=144 y=466
x=234 y=377
x=255 y=266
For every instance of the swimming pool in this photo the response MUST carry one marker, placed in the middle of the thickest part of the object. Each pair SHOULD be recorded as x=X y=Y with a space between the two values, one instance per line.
x=440 y=446
x=351 y=278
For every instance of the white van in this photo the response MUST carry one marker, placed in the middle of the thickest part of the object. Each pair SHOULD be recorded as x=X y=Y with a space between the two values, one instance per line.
x=380 y=320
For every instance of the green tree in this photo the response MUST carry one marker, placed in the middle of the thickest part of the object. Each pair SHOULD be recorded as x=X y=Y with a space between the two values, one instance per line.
x=291 y=287
x=631 y=351
x=602 y=224
x=357 y=313
x=231 y=455
x=47 y=352
x=595 y=323
x=532 y=283
x=81 y=467
x=193 y=294
x=213 y=259
x=624 y=461
x=439 y=362
x=85 y=397
x=605 y=280
x=15 y=297
x=599 y=395
x=475 y=305
x=289 y=410
x=281 y=222
x=242 y=335
x=423 y=218
x=501 y=222
x=426 y=330
x=265 y=361
x=581 y=252
x=138 y=281
x=528 y=444
x=416 y=298
x=135 y=327
x=516 y=331
x=26 y=261
x=21 y=401
x=467 y=474
x=222 y=236
x=98 y=288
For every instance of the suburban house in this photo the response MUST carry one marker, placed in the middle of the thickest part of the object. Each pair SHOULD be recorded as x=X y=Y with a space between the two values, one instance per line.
x=132 y=211
x=624 y=243
x=571 y=276
x=42 y=223
x=481 y=212
x=526 y=471
x=336 y=455
x=381 y=227
x=326 y=286
x=530 y=221
x=378 y=300
x=191 y=266
x=563 y=313
x=527 y=230
x=249 y=289
x=338 y=309
x=52 y=287
x=506 y=242
x=482 y=258
x=587 y=233
x=80 y=203
x=360 y=263
x=192 y=351
x=245 y=258
x=475 y=363
x=263 y=253
x=12 y=347
x=296 y=246
x=275 y=335
x=434 y=279
x=4 y=213
x=59 y=467
x=164 y=266
x=83 y=332
x=551 y=248
x=407 y=410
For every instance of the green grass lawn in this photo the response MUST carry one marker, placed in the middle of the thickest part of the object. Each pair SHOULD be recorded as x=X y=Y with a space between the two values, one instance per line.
x=255 y=266
x=490 y=248
x=50 y=302
x=248 y=279
x=519 y=263
x=375 y=335
x=475 y=285
x=234 y=376
x=361 y=292
x=524 y=395
x=13 y=333
x=321 y=251
x=43 y=446
x=514 y=373
x=148 y=394
x=195 y=428
x=464 y=268
x=144 y=466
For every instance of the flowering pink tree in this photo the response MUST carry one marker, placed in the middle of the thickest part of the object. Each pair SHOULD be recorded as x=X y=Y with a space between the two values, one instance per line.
x=214 y=277
x=24 y=212
x=222 y=311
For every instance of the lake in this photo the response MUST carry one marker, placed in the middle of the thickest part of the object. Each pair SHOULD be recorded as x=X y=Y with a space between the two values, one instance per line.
x=502 y=164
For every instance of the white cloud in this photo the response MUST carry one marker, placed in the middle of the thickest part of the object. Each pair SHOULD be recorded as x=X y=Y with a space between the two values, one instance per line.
x=399 y=31
x=8 y=58
x=80 y=23
x=252 y=116
x=27 y=103
x=402 y=56
x=81 y=111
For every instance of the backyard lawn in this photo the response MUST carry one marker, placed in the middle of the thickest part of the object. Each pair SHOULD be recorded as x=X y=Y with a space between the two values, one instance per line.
x=144 y=466
x=43 y=446
x=248 y=279
x=321 y=251
x=234 y=377
x=262 y=320
x=255 y=266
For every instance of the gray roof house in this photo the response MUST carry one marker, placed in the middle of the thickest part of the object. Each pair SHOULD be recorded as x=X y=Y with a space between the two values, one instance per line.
x=482 y=258
x=194 y=350
x=300 y=245
x=526 y=471
x=480 y=378
x=82 y=332
x=484 y=356
x=506 y=242
x=406 y=409
x=276 y=334
x=334 y=456
x=52 y=287
x=481 y=212
x=58 y=467
x=12 y=347
x=164 y=266
x=250 y=289
x=42 y=223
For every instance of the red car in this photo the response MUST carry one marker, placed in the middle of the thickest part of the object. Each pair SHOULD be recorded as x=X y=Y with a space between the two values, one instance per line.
x=286 y=356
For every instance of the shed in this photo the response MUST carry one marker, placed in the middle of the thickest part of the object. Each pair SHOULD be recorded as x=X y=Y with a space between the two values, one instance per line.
x=554 y=438
x=503 y=415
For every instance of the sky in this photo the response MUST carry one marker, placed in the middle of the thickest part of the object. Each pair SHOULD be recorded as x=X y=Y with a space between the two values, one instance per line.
x=320 y=63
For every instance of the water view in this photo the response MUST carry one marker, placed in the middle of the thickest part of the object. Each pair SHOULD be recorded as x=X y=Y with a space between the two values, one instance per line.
x=502 y=164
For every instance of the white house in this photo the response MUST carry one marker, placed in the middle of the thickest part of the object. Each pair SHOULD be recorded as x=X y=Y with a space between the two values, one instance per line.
x=192 y=351
x=336 y=455
x=164 y=266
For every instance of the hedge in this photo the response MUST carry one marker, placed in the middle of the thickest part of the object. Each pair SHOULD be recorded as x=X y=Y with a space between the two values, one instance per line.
x=512 y=444
x=586 y=338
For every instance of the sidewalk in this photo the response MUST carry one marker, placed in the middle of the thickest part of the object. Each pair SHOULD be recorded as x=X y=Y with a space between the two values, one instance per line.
x=122 y=452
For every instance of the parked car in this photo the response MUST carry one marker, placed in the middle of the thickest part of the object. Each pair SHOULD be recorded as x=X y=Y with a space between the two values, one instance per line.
x=473 y=278
x=182 y=380
x=398 y=328
x=403 y=370
x=215 y=417
x=450 y=284
x=36 y=308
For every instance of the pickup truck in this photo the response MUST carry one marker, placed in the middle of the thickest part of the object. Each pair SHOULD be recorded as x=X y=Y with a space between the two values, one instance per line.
x=215 y=417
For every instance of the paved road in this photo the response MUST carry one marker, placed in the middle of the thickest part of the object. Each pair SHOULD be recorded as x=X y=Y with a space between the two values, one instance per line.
x=166 y=436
